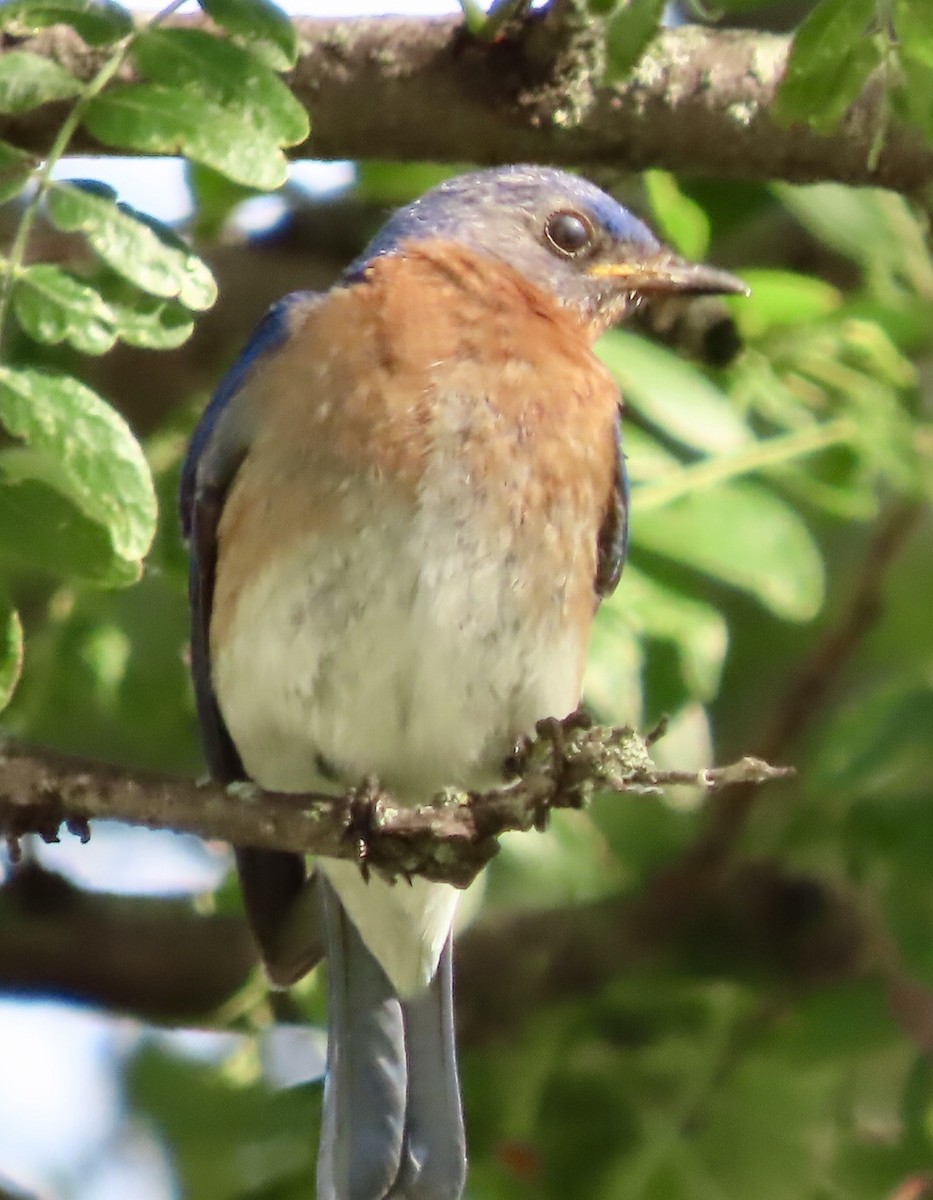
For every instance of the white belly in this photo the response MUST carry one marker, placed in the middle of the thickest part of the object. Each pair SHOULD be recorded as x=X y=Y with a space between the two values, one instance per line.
x=405 y=652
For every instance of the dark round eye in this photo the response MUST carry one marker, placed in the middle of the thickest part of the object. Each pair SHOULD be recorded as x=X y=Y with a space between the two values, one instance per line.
x=569 y=233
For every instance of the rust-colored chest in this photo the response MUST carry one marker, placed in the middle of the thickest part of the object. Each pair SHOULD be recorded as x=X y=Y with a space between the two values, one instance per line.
x=445 y=381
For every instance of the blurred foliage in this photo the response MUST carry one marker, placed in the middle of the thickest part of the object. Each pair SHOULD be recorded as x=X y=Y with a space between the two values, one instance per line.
x=758 y=487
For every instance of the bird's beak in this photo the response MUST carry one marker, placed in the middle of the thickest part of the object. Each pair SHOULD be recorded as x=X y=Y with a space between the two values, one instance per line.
x=667 y=273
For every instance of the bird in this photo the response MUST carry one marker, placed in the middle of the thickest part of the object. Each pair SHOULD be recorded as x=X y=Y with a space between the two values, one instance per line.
x=404 y=504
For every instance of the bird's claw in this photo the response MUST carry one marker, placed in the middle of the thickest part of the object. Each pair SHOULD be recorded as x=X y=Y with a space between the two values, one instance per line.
x=363 y=820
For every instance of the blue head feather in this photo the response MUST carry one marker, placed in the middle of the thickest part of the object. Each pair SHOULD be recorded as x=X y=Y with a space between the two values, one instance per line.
x=503 y=213
x=483 y=209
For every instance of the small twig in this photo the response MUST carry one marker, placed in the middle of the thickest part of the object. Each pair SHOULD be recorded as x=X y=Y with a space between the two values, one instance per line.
x=449 y=839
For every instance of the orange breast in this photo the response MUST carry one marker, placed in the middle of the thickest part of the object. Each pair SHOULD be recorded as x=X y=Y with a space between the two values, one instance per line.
x=442 y=370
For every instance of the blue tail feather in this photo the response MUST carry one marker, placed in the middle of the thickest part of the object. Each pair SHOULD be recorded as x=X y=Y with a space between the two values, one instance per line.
x=392 y=1125
x=434 y=1159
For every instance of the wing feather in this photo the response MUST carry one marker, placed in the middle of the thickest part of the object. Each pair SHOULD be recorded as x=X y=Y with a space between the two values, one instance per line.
x=272 y=881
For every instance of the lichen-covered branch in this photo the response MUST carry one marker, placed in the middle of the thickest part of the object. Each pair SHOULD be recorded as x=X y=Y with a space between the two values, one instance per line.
x=449 y=839
x=699 y=101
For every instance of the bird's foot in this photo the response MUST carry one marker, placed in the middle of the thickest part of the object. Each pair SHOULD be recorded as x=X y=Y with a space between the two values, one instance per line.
x=363 y=820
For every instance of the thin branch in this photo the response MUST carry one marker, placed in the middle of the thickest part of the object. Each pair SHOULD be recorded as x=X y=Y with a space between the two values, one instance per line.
x=699 y=101
x=809 y=688
x=450 y=839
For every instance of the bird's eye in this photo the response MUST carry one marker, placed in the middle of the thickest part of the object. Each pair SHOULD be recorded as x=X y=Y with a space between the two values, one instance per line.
x=569 y=233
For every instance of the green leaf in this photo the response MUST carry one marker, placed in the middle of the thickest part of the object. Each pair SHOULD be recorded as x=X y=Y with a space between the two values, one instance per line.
x=830 y=59
x=11 y=650
x=852 y=74
x=90 y=455
x=629 y=32
x=837 y=1024
x=853 y=498
x=148 y=322
x=260 y=26
x=28 y=80
x=229 y=1136
x=393 y=183
x=782 y=298
x=744 y=536
x=647 y=460
x=913 y=20
x=569 y=866
x=150 y=256
x=913 y=99
x=16 y=166
x=672 y=394
x=767 y=454
x=878 y=745
x=873 y=227
x=614 y=669
x=215 y=197
x=917 y=1105
x=97 y=21
x=698 y=632
x=162 y=120
x=770 y=1110
x=224 y=74
x=684 y=224
x=151 y=324
x=474 y=16
x=42 y=530
x=52 y=306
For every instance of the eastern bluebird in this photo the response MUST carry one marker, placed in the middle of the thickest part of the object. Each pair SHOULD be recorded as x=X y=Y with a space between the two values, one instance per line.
x=404 y=504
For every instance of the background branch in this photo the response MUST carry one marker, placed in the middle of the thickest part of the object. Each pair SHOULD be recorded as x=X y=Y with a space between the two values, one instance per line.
x=699 y=101
x=810 y=686
x=159 y=960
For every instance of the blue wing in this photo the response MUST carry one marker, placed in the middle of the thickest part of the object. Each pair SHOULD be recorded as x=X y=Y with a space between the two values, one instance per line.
x=271 y=880
x=217 y=448
x=613 y=534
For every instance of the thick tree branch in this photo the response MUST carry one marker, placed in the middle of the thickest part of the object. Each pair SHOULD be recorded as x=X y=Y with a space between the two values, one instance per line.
x=159 y=959
x=162 y=961
x=699 y=101
x=450 y=839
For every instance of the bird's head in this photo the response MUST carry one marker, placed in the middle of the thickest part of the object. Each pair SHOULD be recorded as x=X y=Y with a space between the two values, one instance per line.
x=559 y=231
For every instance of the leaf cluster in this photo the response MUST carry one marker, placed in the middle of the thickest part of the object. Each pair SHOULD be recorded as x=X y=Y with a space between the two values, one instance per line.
x=731 y=470
x=76 y=494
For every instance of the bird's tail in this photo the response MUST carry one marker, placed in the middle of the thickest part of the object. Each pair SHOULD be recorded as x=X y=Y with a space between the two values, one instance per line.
x=393 y=1125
